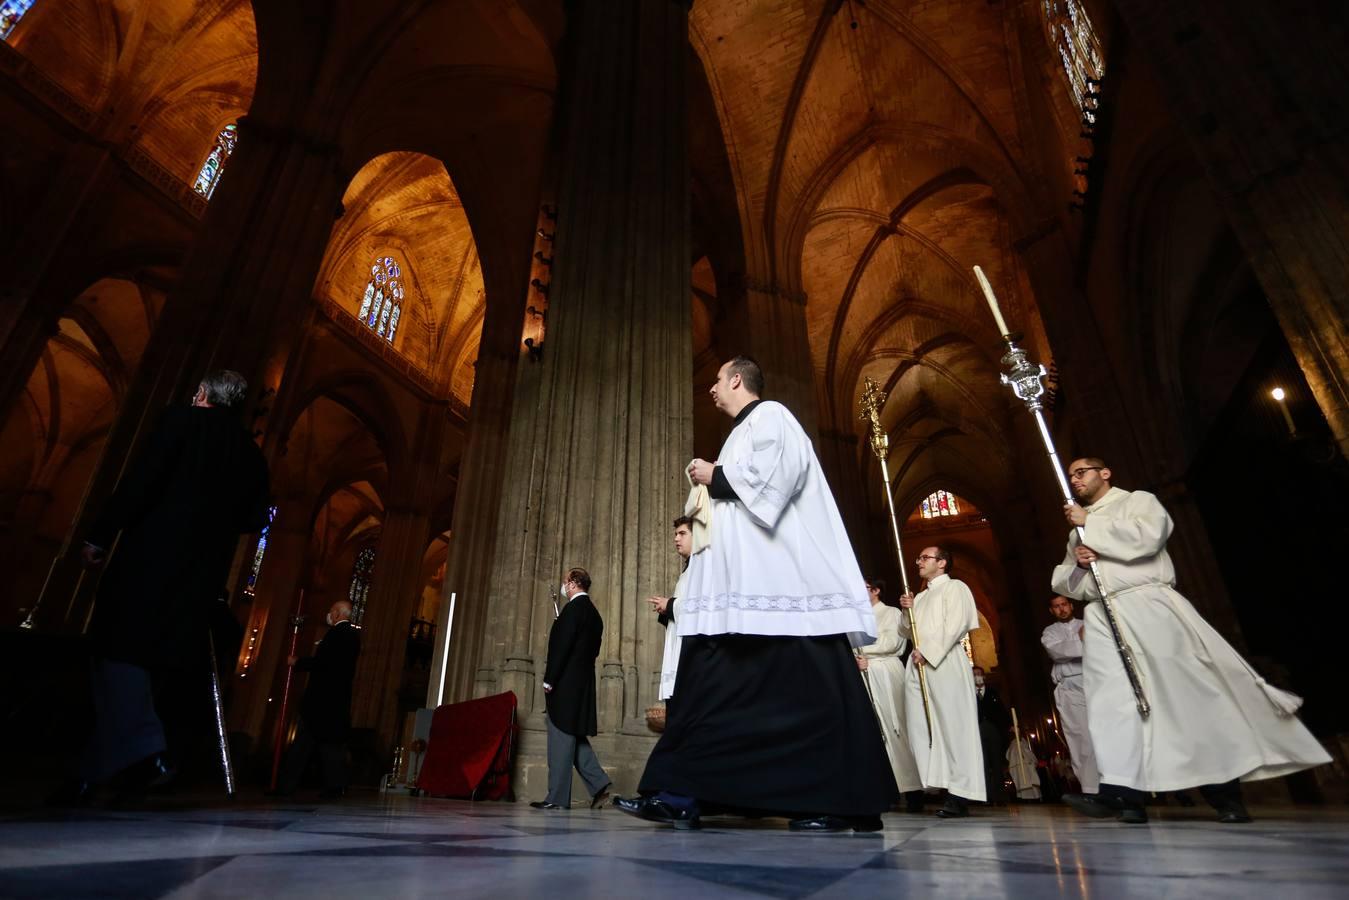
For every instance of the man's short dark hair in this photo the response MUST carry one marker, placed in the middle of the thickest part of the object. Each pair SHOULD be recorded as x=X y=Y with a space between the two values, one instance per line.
x=684 y=520
x=979 y=669
x=946 y=554
x=1094 y=462
x=877 y=583
x=751 y=376
x=579 y=577
x=225 y=388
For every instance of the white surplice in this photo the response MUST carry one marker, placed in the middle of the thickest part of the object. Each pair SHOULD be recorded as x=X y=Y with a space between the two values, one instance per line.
x=1021 y=766
x=780 y=562
x=1213 y=718
x=885 y=674
x=1063 y=642
x=943 y=614
x=669 y=666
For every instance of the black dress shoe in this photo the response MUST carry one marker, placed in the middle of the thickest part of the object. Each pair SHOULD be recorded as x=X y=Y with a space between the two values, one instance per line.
x=653 y=810
x=820 y=824
x=601 y=798
x=1092 y=805
x=73 y=794
x=544 y=804
x=1234 y=814
x=954 y=808
x=835 y=824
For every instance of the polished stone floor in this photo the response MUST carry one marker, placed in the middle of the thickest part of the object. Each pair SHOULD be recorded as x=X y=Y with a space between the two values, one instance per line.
x=395 y=846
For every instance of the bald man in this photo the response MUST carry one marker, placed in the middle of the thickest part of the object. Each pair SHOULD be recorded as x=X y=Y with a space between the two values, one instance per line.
x=325 y=711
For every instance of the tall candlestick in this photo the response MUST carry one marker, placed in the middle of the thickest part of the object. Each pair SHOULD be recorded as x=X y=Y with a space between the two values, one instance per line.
x=1278 y=396
x=992 y=301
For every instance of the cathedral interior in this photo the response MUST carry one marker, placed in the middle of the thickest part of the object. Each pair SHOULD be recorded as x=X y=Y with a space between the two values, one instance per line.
x=480 y=261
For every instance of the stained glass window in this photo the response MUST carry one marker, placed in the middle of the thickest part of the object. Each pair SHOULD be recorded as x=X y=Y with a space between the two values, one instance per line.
x=938 y=504
x=359 y=591
x=209 y=176
x=11 y=11
x=382 y=302
x=1073 y=38
x=261 y=551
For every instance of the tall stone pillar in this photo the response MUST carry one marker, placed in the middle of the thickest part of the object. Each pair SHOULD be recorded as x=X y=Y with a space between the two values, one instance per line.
x=598 y=446
x=1258 y=89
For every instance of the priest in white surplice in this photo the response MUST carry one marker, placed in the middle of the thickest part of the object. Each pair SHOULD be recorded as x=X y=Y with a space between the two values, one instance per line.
x=884 y=672
x=943 y=614
x=770 y=716
x=1062 y=640
x=1214 y=721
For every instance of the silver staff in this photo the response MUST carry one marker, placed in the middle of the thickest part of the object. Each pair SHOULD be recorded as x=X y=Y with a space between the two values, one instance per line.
x=1024 y=378
x=220 y=722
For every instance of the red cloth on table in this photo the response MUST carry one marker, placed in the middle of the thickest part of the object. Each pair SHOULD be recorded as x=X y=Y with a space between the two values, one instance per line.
x=468 y=755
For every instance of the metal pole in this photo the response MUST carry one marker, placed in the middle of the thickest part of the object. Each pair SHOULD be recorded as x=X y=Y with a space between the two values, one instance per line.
x=296 y=621
x=221 y=734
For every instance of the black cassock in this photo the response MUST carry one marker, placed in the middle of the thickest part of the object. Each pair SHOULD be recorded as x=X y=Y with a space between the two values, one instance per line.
x=573 y=645
x=326 y=707
x=198 y=485
x=770 y=724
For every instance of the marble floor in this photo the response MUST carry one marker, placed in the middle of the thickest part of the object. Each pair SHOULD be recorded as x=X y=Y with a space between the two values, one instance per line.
x=375 y=846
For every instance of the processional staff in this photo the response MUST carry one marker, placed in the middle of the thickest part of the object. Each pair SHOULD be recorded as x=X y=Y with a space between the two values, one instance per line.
x=295 y=622
x=1025 y=379
x=872 y=399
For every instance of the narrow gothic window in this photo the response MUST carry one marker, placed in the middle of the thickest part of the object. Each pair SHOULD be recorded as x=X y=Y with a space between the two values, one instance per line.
x=382 y=303
x=938 y=504
x=261 y=551
x=360 y=583
x=1071 y=35
x=209 y=175
x=11 y=11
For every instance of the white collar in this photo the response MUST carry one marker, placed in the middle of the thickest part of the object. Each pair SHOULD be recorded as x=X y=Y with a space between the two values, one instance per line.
x=939 y=580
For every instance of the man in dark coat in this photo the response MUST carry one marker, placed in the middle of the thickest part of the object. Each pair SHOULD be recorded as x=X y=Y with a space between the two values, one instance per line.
x=179 y=509
x=325 y=711
x=569 y=688
x=994 y=722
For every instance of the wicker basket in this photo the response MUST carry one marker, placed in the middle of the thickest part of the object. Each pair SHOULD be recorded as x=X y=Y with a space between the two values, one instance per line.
x=655 y=718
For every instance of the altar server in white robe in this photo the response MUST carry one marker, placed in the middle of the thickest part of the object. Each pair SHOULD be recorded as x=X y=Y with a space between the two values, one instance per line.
x=1062 y=640
x=1021 y=766
x=883 y=670
x=943 y=614
x=1214 y=721
x=770 y=717
x=664 y=608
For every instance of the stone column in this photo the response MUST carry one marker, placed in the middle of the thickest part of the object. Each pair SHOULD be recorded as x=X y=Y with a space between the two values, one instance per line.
x=395 y=589
x=1257 y=87
x=596 y=460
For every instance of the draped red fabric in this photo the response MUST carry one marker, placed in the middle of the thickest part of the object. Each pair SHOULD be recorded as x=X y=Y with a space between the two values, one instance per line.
x=468 y=755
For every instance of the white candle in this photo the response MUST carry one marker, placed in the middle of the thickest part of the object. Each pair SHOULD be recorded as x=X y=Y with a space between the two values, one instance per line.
x=992 y=302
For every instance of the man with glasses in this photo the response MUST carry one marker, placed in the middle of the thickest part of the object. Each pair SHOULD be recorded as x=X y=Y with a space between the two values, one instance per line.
x=1214 y=721
x=943 y=614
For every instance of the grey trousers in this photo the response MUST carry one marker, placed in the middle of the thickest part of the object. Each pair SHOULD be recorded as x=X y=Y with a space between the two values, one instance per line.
x=564 y=752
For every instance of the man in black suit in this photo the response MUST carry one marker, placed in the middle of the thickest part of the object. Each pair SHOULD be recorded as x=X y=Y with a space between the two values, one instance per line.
x=569 y=688
x=179 y=509
x=325 y=711
x=994 y=722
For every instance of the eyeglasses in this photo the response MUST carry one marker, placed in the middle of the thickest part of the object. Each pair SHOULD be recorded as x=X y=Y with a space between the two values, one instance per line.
x=920 y=559
x=1082 y=472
